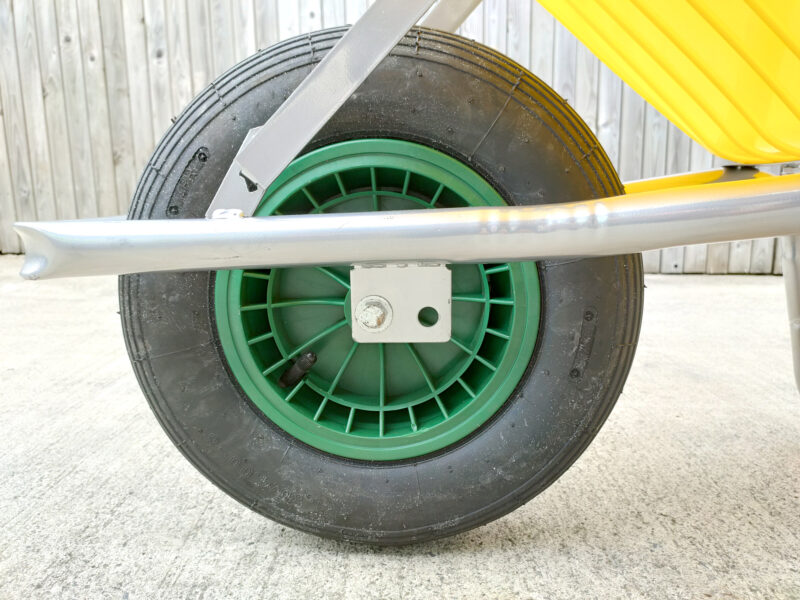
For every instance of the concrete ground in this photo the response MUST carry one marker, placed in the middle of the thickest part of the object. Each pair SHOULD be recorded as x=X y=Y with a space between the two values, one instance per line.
x=691 y=490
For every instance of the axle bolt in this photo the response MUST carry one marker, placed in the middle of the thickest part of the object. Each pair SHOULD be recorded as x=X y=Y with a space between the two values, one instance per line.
x=373 y=313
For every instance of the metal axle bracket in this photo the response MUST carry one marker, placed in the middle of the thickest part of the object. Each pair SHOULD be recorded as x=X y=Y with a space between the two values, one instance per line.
x=401 y=302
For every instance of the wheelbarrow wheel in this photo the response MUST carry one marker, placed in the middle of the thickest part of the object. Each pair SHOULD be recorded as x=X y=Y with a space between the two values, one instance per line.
x=254 y=374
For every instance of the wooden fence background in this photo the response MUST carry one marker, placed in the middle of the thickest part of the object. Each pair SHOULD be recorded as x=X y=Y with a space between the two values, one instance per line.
x=87 y=87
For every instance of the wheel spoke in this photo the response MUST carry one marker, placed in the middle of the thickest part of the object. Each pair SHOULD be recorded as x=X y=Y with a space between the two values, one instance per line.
x=260 y=338
x=335 y=381
x=413 y=419
x=467 y=389
x=497 y=333
x=294 y=391
x=340 y=183
x=502 y=301
x=308 y=302
x=382 y=388
x=255 y=275
x=497 y=269
x=350 y=419
x=373 y=180
x=461 y=345
x=436 y=195
x=250 y=307
x=406 y=181
x=334 y=275
x=311 y=198
x=316 y=338
x=427 y=377
x=485 y=362
x=469 y=298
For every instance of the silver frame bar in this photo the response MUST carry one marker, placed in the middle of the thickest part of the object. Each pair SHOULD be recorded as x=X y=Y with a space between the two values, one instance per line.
x=448 y=15
x=269 y=149
x=621 y=224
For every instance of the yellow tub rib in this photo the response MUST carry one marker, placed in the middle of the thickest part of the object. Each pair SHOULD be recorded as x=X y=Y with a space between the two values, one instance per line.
x=726 y=72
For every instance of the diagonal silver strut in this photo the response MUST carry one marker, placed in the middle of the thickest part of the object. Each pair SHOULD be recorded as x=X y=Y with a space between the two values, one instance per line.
x=270 y=149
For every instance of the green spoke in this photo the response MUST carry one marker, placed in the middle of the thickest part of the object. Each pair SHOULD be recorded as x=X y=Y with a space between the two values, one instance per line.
x=406 y=181
x=461 y=345
x=469 y=298
x=250 y=307
x=497 y=333
x=334 y=275
x=311 y=198
x=350 y=418
x=322 y=405
x=294 y=391
x=261 y=338
x=502 y=301
x=340 y=183
x=373 y=180
x=436 y=195
x=255 y=275
x=308 y=302
x=343 y=368
x=427 y=377
x=274 y=366
x=324 y=333
x=414 y=426
x=485 y=362
x=381 y=388
x=497 y=269
x=466 y=387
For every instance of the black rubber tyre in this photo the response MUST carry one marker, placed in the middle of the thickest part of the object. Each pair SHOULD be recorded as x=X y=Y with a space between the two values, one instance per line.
x=481 y=108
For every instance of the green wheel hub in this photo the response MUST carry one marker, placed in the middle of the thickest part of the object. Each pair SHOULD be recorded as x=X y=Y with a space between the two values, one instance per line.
x=376 y=401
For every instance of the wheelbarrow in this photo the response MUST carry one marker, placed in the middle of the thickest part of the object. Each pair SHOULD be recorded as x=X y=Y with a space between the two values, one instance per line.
x=382 y=284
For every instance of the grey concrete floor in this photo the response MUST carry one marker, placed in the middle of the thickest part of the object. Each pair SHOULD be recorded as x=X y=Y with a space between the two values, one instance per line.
x=691 y=490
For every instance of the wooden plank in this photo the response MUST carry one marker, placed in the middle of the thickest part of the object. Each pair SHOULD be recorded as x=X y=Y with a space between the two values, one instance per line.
x=762 y=255
x=267 y=26
x=609 y=113
x=654 y=163
x=180 y=62
x=119 y=102
x=54 y=109
x=158 y=66
x=289 y=20
x=221 y=27
x=244 y=27
x=14 y=115
x=677 y=161
x=542 y=43
x=587 y=78
x=333 y=13
x=565 y=63
x=494 y=23
x=9 y=242
x=75 y=102
x=199 y=35
x=631 y=135
x=139 y=81
x=519 y=31
x=310 y=15
x=33 y=103
x=94 y=80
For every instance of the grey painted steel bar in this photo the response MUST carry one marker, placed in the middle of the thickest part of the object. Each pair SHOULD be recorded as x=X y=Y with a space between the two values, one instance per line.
x=271 y=148
x=621 y=224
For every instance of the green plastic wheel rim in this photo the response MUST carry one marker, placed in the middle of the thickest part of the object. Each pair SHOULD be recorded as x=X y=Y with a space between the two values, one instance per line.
x=376 y=401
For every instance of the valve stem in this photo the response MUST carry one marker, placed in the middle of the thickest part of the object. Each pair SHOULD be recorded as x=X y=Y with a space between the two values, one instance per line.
x=298 y=370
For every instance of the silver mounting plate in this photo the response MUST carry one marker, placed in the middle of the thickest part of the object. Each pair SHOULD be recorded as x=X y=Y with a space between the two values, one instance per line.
x=401 y=302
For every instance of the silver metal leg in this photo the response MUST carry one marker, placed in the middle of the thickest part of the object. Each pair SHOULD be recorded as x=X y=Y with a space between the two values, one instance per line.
x=272 y=147
x=791 y=280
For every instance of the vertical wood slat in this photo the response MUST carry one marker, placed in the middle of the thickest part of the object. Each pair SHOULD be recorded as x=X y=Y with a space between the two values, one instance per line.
x=119 y=101
x=97 y=107
x=33 y=103
x=14 y=117
x=135 y=32
x=88 y=87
